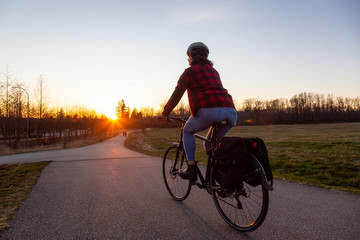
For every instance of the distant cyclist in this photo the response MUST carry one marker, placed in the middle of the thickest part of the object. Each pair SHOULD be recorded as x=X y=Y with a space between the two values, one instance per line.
x=209 y=102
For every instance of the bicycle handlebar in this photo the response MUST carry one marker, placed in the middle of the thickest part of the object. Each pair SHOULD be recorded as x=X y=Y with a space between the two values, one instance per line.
x=171 y=119
x=180 y=119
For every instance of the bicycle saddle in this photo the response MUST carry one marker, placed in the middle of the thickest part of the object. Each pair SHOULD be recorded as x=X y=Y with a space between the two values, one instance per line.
x=221 y=123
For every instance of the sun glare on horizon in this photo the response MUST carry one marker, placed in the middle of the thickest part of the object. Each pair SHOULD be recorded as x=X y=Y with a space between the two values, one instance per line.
x=104 y=108
x=111 y=115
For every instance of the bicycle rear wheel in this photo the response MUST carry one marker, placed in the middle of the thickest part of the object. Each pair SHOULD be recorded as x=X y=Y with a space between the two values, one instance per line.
x=245 y=208
x=174 y=160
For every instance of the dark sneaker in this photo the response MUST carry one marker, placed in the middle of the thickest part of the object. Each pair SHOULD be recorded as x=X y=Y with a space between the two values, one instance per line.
x=189 y=173
x=208 y=151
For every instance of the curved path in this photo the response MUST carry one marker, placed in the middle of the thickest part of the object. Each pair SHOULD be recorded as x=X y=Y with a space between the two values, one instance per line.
x=106 y=191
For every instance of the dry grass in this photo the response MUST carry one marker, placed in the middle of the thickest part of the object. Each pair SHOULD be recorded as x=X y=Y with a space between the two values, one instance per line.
x=16 y=182
x=5 y=150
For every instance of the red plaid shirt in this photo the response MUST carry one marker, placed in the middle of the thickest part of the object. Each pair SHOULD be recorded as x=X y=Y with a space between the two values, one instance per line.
x=204 y=88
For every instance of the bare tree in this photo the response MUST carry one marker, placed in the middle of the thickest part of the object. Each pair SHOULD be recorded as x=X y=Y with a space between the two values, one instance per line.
x=5 y=101
x=18 y=102
x=147 y=112
x=8 y=79
x=42 y=101
x=182 y=109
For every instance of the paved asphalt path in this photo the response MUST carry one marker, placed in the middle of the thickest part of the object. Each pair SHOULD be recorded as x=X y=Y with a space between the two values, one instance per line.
x=106 y=191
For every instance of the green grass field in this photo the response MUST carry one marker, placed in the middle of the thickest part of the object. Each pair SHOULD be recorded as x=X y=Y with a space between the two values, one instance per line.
x=326 y=155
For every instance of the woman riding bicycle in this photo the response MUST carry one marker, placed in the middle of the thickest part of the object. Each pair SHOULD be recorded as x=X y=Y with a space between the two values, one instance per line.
x=209 y=102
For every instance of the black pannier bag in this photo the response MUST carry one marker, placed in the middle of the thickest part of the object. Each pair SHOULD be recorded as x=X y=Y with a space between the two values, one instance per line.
x=256 y=146
x=231 y=158
x=232 y=163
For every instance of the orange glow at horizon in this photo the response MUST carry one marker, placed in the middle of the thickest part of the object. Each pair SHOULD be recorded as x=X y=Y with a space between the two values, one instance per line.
x=106 y=109
x=111 y=115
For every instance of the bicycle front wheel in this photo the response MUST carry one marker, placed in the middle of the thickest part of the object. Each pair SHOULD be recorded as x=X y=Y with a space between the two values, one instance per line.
x=243 y=209
x=174 y=160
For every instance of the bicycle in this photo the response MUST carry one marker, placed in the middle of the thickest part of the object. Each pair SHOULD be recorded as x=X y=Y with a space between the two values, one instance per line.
x=243 y=209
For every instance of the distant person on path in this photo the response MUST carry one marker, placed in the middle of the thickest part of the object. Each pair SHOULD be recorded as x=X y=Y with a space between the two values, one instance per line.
x=124 y=133
x=209 y=102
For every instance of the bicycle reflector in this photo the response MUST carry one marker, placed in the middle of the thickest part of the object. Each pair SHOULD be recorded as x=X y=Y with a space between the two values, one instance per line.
x=254 y=145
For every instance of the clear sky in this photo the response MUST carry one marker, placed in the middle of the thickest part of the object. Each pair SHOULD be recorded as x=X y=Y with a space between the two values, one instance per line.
x=95 y=53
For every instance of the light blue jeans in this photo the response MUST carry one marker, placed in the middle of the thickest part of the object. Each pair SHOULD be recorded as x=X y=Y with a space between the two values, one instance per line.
x=204 y=119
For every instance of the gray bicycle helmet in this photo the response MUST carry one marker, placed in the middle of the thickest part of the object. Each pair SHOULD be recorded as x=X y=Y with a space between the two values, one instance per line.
x=196 y=45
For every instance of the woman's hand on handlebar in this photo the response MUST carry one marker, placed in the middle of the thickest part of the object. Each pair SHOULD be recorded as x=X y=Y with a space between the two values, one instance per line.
x=161 y=117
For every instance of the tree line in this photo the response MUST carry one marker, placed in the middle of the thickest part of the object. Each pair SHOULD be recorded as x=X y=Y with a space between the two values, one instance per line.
x=37 y=122
x=27 y=118
x=301 y=109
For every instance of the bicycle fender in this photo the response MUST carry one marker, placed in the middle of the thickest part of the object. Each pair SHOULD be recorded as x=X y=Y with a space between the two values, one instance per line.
x=259 y=168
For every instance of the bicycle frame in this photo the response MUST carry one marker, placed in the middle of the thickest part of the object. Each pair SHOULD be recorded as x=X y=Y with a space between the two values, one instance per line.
x=204 y=182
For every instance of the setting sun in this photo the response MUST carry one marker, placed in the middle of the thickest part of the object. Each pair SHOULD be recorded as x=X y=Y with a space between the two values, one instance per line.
x=106 y=107
x=111 y=115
